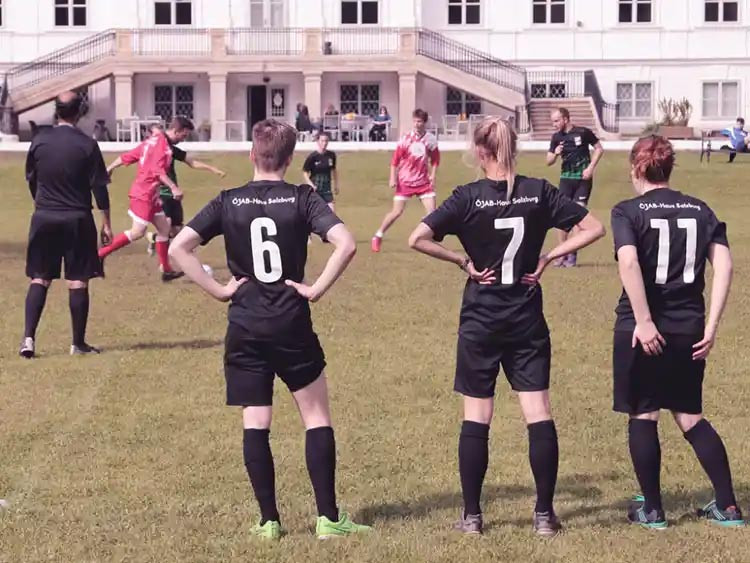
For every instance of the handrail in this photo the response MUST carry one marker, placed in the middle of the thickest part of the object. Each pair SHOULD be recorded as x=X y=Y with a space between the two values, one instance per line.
x=609 y=114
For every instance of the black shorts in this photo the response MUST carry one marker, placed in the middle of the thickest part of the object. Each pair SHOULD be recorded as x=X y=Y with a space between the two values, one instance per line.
x=250 y=366
x=526 y=365
x=55 y=236
x=577 y=190
x=326 y=196
x=672 y=381
x=173 y=210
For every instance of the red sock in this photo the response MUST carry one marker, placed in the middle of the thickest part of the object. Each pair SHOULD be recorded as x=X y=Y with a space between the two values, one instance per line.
x=162 y=251
x=117 y=243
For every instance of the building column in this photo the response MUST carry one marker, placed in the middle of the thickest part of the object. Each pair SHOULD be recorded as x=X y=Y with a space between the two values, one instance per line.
x=407 y=100
x=123 y=94
x=313 y=94
x=218 y=104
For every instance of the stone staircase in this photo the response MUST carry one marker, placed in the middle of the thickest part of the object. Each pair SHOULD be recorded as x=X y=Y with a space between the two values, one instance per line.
x=582 y=113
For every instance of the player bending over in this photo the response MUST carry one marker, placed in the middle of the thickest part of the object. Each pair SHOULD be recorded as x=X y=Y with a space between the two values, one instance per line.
x=265 y=225
x=320 y=171
x=154 y=157
x=410 y=173
x=663 y=239
x=502 y=230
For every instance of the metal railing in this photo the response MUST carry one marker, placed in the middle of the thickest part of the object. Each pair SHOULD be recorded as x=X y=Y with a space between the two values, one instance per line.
x=473 y=61
x=555 y=84
x=61 y=61
x=171 y=42
x=609 y=114
x=361 y=41
x=522 y=121
x=265 y=41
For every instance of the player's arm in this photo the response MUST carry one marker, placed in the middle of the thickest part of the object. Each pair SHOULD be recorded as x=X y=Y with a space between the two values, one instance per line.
x=344 y=249
x=115 y=164
x=198 y=165
x=434 y=163
x=177 y=193
x=395 y=164
x=595 y=158
x=721 y=261
x=99 y=180
x=181 y=251
x=335 y=174
x=31 y=172
x=555 y=150
x=308 y=179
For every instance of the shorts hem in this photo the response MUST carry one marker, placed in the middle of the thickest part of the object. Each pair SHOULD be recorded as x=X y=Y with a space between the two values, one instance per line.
x=474 y=395
x=530 y=389
x=137 y=219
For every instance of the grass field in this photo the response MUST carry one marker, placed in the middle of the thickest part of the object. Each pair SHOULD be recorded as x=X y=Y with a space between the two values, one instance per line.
x=132 y=456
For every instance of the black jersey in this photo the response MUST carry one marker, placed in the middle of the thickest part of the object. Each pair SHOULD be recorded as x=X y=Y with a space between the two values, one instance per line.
x=266 y=226
x=575 y=152
x=177 y=154
x=672 y=233
x=319 y=166
x=506 y=236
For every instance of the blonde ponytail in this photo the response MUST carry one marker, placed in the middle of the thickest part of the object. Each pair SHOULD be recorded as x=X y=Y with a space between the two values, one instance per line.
x=495 y=137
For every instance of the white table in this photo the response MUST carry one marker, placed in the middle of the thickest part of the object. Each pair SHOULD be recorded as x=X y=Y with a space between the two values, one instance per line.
x=358 y=128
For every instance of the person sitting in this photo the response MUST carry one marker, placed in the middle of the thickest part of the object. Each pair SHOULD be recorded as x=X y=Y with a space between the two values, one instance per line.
x=331 y=110
x=738 y=139
x=303 y=124
x=378 y=132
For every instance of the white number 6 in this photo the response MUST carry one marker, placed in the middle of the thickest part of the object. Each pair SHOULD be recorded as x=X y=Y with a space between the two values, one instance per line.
x=261 y=247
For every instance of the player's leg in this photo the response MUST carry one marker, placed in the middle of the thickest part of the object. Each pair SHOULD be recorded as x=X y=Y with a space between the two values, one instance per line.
x=136 y=232
x=567 y=188
x=581 y=197
x=36 y=298
x=162 y=225
x=399 y=203
x=429 y=202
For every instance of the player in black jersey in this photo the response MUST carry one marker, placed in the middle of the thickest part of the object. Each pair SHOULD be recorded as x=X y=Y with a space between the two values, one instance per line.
x=663 y=239
x=571 y=143
x=320 y=171
x=266 y=225
x=502 y=230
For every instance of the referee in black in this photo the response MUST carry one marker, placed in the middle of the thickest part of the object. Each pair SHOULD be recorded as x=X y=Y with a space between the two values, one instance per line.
x=63 y=167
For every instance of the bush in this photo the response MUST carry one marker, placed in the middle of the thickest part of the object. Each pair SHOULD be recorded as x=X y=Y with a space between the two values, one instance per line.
x=675 y=112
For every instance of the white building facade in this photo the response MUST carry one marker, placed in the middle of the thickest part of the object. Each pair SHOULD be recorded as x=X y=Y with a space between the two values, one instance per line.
x=632 y=52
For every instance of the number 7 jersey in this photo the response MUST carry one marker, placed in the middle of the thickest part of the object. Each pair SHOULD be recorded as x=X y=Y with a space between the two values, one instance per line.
x=266 y=226
x=672 y=233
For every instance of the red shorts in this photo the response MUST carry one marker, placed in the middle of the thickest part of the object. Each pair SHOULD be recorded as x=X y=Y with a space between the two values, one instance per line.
x=424 y=191
x=143 y=211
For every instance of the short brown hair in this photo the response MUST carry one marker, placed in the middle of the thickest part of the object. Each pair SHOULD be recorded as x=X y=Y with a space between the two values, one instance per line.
x=564 y=113
x=420 y=114
x=653 y=158
x=180 y=123
x=273 y=144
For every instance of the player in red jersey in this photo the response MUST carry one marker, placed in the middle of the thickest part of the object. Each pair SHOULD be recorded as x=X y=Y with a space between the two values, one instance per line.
x=153 y=156
x=410 y=173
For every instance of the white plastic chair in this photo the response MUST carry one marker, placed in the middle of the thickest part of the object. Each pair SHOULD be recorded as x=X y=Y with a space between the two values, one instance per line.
x=331 y=125
x=450 y=126
x=124 y=128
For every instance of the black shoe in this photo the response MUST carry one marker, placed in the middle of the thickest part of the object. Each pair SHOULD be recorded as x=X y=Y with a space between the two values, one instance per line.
x=729 y=518
x=27 y=348
x=170 y=276
x=653 y=520
x=546 y=524
x=83 y=350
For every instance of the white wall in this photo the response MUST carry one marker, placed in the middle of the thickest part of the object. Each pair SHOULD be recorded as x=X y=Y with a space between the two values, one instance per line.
x=388 y=82
x=237 y=92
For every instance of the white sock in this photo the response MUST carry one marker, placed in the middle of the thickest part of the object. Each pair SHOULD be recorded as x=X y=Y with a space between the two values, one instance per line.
x=379 y=234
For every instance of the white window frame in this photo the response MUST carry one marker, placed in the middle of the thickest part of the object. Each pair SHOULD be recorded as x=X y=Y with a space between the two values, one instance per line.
x=464 y=5
x=173 y=86
x=2 y=16
x=267 y=11
x=359 y=86
x=634 y=84
x=721 y=13
x=722 y=113
x=71 y=9
x=548 y=4
x=462 y=101
x=173 y=13
x=634 y=13
x=359 y=14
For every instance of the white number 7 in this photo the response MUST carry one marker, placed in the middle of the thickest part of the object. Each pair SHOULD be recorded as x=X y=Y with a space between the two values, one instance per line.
x=515 y=223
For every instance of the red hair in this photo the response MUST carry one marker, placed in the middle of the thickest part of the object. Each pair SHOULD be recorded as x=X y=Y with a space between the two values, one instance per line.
x=652 y=158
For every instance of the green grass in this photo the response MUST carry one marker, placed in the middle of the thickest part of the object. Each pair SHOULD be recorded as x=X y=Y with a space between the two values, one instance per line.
x=132 y=456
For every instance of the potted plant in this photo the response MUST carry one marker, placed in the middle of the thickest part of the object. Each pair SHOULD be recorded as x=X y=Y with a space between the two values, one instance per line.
x=675 y=118
x=204 y=131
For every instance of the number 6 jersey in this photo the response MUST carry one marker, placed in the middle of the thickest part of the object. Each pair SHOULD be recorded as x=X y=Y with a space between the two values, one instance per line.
x=266 y=226
x=507 y=237
x=672 y=233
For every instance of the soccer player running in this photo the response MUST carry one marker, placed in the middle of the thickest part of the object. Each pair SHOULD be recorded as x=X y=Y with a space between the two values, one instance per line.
x=154 y=157
x=179 y=130
x=320 y=171
x=501 y=222
x=572 y=143
x=63 y=167
x=410 y=173
x=265 y=225
x=663 y=239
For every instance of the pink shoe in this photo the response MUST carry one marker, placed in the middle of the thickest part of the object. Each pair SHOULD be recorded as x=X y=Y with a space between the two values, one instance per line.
x=375 y=244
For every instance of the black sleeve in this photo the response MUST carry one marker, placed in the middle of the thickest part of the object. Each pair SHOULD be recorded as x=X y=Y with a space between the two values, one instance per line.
x=178 y=154
x=98 y=178
x=31 y=170
x=564 y=213
x=590 y=137
x=307 y=166
x=553 y=143
x=208 y=223
x=623 y=230
x=449 y=217
x=320 y=219
x=717 y=230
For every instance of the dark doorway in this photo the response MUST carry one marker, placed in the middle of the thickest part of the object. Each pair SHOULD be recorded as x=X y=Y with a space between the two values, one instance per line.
x=256 y=105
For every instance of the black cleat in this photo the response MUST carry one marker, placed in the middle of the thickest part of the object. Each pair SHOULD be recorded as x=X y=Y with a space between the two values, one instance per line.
x=83 y=350
x=27 y=348
x=171 y=276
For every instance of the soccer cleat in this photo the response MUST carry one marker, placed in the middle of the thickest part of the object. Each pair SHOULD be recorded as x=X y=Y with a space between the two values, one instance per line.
x=27 y=348
x=729 y=518
x=171 y=276
x=83 y=350
x=151 y=248
x=546 y=524
x=270 y=531
x=653 y=520
x=571 y=260
x=325 y=529
x=470 y=524
x=375 y=244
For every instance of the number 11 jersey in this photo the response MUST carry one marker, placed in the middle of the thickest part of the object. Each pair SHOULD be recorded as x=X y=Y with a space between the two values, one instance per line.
x=672 y=233
x=266 y=226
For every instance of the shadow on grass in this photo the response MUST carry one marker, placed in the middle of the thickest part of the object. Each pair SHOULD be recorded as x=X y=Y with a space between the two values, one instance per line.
x=197 y=344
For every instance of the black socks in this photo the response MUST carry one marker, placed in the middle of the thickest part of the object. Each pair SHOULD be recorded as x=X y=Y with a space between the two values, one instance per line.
x=35 y=300
x=320 y=455
x=544 y=458
x=78 y=300
x=713 y=458
x=645 y=451
x=260 y=469
x=472 y=462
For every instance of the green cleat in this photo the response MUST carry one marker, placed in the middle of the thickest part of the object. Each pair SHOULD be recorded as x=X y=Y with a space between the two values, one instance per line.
x=344 y=527
x=654 y=520
x=271 y=530
x=729 y=518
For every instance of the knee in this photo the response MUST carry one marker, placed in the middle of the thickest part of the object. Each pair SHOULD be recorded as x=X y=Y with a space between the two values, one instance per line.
x=43 y=283
x=77 y=284
x=685 y=421
x=535 y=406
x=478 y=410
x=258 y=418
x=137 y=232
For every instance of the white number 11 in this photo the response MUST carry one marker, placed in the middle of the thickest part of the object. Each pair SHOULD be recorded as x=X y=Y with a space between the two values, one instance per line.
x=691 y=243
x=515 y=223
